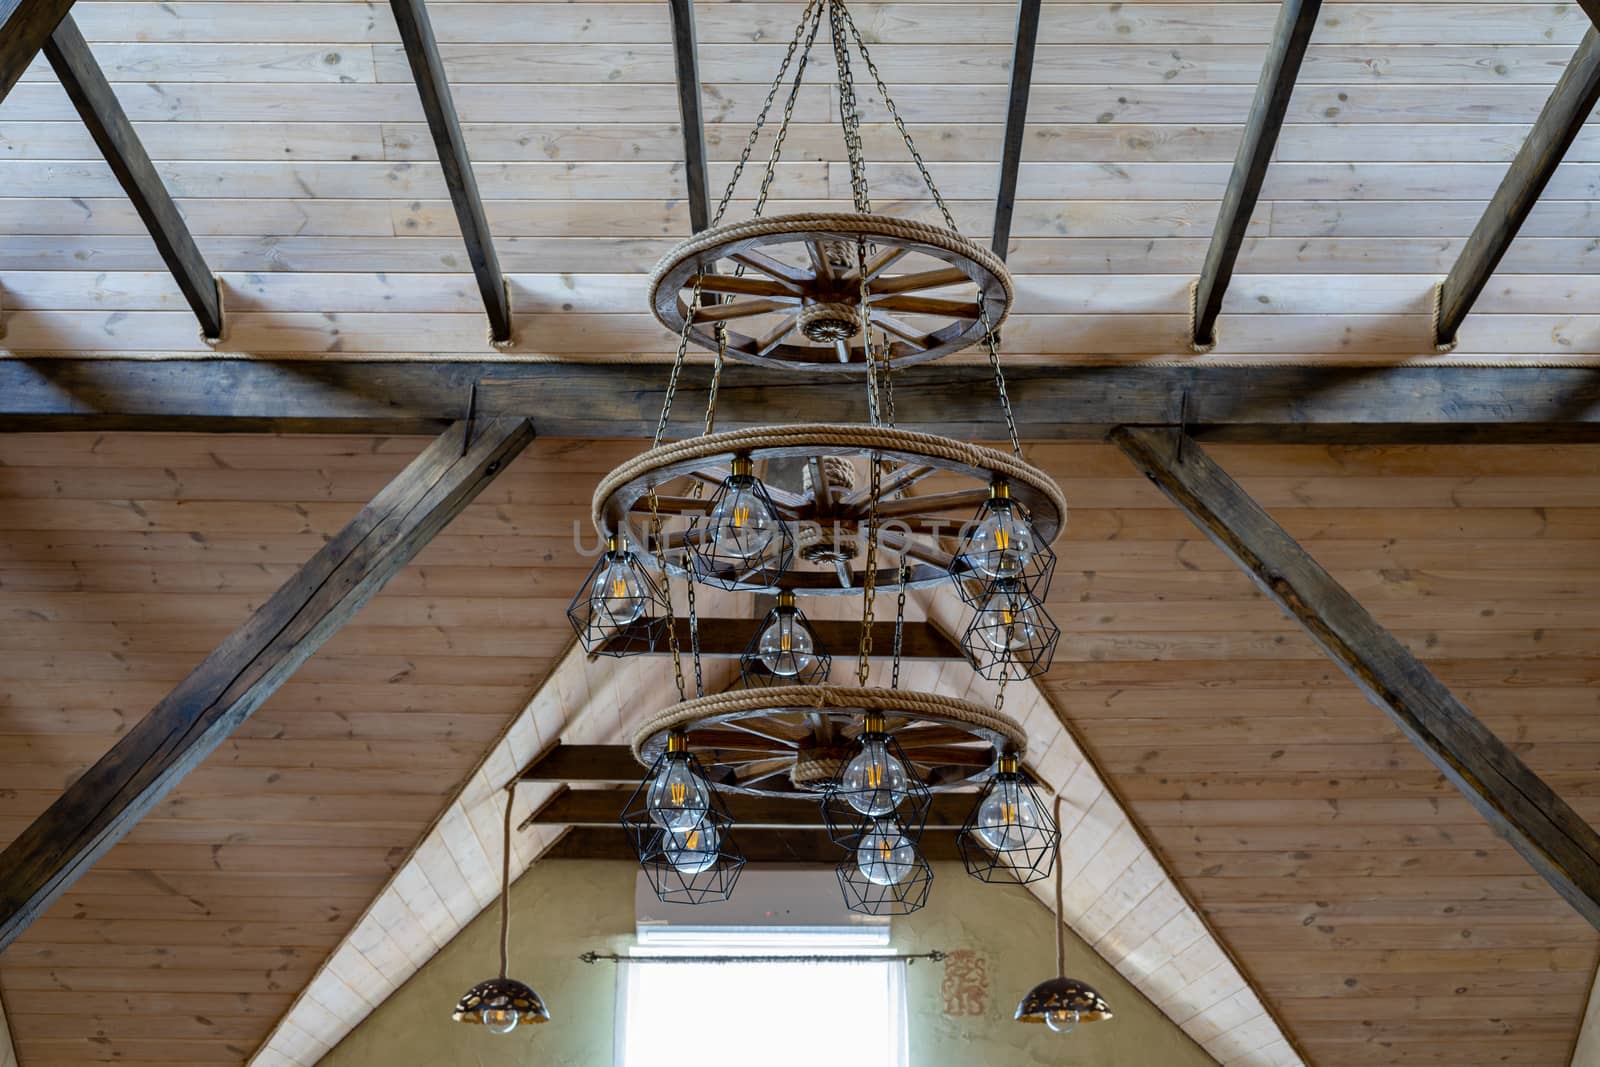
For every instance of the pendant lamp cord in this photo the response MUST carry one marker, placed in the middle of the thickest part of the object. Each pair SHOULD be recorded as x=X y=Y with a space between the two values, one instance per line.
x=505 y=884
x=1061 y=918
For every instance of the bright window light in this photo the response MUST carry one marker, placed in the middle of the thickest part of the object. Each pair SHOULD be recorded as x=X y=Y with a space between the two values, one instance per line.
x=718 y=1014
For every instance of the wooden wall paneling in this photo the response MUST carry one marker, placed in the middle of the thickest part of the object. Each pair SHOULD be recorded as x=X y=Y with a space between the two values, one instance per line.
x=104 y=804
x=1569 y=107
x=91 y=93
x=8 y=1054
x=1291 y=37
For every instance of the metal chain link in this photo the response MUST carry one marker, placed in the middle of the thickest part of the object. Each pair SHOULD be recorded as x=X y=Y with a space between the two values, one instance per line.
x=716 y=380
x=999 y=376
x=694 y=642
x=666 y=593
x=849 y=114
x=811 y=15
x=869 y=577
x=873 y=414
x=1000 y=691
x=899 y=623
x=894 y=113
x=677 y=366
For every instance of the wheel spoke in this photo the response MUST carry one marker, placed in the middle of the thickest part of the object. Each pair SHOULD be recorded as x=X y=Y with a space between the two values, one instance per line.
x=672 y=505
x=880 y=262
x=843 y=349
x=819 y=261
x=907 y=475
x=739 y=285
x=927 y=279
x=795 y=279
x=934 y=503
x=930 y=305
x=739 y=309
x=770 y=340
x=917 y=549
x=909 y=334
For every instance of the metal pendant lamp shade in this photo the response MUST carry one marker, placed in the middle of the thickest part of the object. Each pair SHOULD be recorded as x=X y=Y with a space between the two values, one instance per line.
x=502 y=1004
x=1062 y=1003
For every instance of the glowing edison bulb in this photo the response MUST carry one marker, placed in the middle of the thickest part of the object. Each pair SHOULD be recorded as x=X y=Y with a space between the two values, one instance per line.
x=1002 y=545
x=678 y=799
x=742 y=524
x=874 y=782
x=1008 y=819
x=693 y=850
x=786 y=647
x=1061 y=1020
x=618 y=597
x=499 y=1020
x=1008 y=620
x=886 y=856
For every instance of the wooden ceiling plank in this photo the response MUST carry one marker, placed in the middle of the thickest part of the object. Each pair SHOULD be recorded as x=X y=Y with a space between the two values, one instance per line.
x=1280 y=404
x=1555 y=841
x=25 y=26
x=105 y=803
x=612 y=764
x=1571 y=103
x=97 y=104
x=1290 y=38
x=422 y=50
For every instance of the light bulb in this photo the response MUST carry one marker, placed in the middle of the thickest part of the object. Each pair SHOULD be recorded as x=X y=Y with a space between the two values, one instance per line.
x=886 y=856
x=742 y=525
x=618 y=597
x=499 y=1020
x=874 y=781
x=1062 y=1020
x=678 y=799
x=1008 y=819
x=1002 y=545
x=1008 y=620
x=786 y=647
x=693 y=850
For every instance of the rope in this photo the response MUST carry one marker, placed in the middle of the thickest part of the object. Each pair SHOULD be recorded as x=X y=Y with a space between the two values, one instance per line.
x=867 y=957
x=897 y=702
x=1444 y=348
x=1195 y=344
x=1061 y=915
x=505 y=884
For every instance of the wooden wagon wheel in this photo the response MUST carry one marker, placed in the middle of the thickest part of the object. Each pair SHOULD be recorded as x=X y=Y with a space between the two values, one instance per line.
x=792 y=289
x=791 y=741
x=829 y=518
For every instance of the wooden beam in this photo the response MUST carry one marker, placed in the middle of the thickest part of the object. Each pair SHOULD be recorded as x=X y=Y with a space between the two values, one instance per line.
x=25 y=25
x=1559 y=845
x=91 y=94
x=1569 y=107
x=1022 y=52
x=1278 y=404
x=603 y=807
x=1296 y=19
x=416 y=32
x=145 y=764
x=686 y=63
x=607 y=764
x=808 y=847
x=728 y=638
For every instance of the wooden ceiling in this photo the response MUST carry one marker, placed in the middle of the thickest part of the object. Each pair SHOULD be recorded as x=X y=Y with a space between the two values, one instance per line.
x=293 y=139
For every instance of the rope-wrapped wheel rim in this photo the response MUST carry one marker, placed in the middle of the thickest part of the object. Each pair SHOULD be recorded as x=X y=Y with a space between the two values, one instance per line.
x=767 y=310
x=749 y=741
x=621 y=501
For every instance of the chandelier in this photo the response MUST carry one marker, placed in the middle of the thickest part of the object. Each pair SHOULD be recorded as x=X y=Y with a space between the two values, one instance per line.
x=791 y=512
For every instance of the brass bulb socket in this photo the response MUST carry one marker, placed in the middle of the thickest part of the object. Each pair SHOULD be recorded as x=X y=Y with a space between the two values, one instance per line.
x=742 y=466
x=785 y=598
x=677 y=741
x=873 y=723
x=1010 y=763
x=1000 y=490
x=613 y=543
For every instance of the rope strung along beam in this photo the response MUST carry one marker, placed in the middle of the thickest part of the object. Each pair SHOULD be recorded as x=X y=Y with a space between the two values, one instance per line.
x=868 y=957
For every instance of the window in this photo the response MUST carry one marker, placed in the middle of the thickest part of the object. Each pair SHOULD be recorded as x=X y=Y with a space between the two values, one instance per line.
x=775 y=1014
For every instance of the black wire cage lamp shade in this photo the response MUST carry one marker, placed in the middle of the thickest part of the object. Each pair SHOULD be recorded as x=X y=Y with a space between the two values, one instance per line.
x=681 y=830
x=877 y=782
x=885 y=872
x=1011 y=636
x=1010 y=837
x=1001 y=544
x=502 y=1004
x=785 y=650
x=620 y=609
x=743 y=539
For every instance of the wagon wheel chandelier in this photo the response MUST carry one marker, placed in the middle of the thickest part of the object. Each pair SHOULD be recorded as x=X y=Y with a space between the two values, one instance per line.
x=791 y=512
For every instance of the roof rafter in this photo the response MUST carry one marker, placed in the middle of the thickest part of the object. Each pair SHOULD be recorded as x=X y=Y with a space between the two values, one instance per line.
x=25 y=25
x=1026 y=44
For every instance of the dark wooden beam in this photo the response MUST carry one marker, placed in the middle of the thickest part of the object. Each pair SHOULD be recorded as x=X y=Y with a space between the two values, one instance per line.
x=603 y=807
x=1592 y=9
x=1296 y=19
x=1569 y=107
x=1559 y=845
x=25 y=25
x=603 y=764
x=91 y=94
x=807 y=847
x=686 y=62
x=1022 y=52
x=1277 y=404
x=145 y=764
x=728 y=638
x=416 y=32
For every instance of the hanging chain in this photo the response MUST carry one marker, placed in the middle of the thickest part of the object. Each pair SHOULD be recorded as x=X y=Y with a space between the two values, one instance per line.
x=1000 y=691
x=894 y=113
x=887 y=387
x=869 y=576
x=666 y=592
x=874 y=416
x=999 y=376
x=810 y=16
x=899 y=623
x=677 y=366
x=694 y=641
x=849 y=114
x=716 y=381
